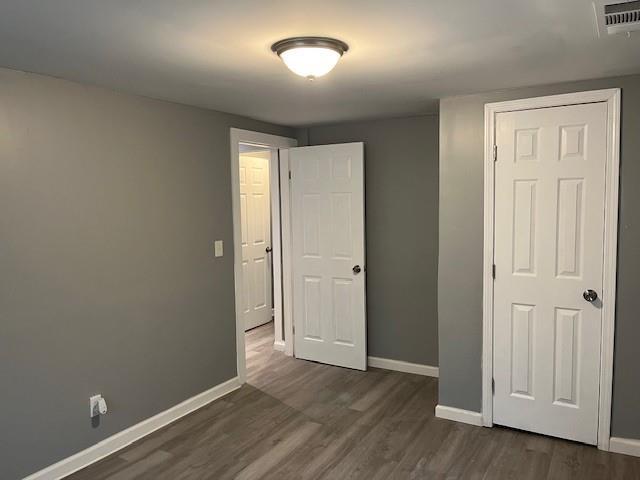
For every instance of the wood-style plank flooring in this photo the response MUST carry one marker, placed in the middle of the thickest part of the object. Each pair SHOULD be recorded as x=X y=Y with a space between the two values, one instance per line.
x=302 y=420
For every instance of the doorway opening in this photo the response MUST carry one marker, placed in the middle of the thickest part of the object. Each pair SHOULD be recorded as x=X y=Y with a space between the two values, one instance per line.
x=256 y=220
x=257 y=242
x=298 y=227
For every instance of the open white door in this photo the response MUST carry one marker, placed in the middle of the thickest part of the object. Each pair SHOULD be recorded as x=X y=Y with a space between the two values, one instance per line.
x=255 y=216
x=327 y=223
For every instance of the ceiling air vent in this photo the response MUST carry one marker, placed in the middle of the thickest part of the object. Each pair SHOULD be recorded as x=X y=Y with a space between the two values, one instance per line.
x=617 y=16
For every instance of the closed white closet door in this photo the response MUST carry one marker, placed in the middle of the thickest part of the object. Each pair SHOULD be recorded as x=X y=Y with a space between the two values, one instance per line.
x=549 y=230
x=255 y=214
x=327 y=214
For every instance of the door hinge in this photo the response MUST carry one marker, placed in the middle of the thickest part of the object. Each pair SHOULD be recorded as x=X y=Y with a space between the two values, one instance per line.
x=289 y=174
x=493 y=386
x=495 y=153
x=493 y=271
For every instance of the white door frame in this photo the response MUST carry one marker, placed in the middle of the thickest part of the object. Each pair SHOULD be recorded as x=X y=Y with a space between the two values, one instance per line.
x=287 y=260
x=274 y=142
x=612 y=98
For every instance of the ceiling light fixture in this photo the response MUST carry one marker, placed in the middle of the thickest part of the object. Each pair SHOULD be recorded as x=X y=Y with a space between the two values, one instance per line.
x=310 y=57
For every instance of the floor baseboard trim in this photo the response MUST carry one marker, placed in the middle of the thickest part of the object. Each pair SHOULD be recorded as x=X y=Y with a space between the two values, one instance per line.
x=627 y=446
x=278 y=345
x=400 y=366
x=459 y=415
x=126 y=437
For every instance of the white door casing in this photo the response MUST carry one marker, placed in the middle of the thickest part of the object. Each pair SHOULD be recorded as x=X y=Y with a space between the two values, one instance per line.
x=549 y=246
x=327 y=221
x=255 y=214
x=287 y=269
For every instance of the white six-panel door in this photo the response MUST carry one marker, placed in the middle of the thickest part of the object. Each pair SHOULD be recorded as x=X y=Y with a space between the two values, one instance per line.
x=327 y=216
x=549 y=229
x=255 y=215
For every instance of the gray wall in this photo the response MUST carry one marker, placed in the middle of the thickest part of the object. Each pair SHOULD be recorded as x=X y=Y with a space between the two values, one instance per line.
x=109 y=206
x=460 y=257
x=401 y=183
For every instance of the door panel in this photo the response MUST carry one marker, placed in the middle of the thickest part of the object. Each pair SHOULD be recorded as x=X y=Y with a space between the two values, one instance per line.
x=522 y=323
x=549 y=229
x=327 y=212
x=568 y=249
x=312 y=308
x=524 y=227
x=255 y=213
x=567 y=328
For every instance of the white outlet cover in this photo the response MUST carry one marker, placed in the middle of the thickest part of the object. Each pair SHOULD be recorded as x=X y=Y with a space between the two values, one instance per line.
x=94 y=409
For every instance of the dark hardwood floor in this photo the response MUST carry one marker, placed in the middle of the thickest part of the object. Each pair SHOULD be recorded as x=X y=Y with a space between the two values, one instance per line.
x=302 y=420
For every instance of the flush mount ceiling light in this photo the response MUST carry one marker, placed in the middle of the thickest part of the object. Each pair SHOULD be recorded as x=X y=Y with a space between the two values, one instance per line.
x=310 y=57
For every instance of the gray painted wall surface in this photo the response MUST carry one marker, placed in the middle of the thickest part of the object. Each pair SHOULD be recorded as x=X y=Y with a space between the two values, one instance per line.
x=109 y=206
x=460 y=255
x=401 y=188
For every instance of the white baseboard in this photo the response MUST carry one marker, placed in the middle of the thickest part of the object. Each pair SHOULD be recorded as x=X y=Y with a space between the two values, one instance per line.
x=401 y=366
x=126 y=437
x=278 y=345
x=459 y=415
x=628 y=446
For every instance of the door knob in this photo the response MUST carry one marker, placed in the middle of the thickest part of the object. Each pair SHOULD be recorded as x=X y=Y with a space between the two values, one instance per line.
x=590 y=295
x=268 y=249
x=356 y=269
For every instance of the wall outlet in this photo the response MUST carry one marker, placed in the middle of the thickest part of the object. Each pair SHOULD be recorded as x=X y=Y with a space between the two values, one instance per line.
x=218 y=250
x=97 y=406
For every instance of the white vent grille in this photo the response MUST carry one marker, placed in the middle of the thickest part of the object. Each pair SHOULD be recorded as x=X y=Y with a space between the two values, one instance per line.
x=617 y=16
x=620 y=18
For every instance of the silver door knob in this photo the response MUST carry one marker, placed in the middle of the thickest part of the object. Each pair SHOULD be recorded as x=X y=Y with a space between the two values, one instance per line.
x=356 y=269
x=268 y=249
x=590 y=295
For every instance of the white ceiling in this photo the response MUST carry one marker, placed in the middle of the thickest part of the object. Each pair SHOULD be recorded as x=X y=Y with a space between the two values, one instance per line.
x=404 y=53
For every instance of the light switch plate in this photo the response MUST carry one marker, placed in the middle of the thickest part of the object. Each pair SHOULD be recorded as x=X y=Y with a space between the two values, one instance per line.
x=218 y=248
